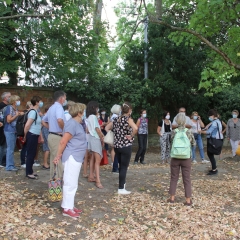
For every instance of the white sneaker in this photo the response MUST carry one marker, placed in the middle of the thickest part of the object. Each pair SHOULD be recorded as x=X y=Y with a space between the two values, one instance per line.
x=36 y=163
x=205 y=161
x=194 y=161
x=123 y=191
x=1 y=166
x=23 y=166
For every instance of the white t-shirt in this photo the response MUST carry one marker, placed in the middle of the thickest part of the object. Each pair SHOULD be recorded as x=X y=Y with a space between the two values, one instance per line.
x=92 y=125
x=67 y=115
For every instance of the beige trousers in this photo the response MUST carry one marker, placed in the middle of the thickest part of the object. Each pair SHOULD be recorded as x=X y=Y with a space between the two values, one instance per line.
x=53 y=143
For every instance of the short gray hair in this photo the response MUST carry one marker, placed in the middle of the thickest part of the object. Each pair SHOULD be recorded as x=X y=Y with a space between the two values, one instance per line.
x=181 y=119
x=4 y=95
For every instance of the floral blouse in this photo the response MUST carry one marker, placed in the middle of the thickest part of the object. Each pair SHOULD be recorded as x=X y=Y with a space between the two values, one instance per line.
x=121 y=128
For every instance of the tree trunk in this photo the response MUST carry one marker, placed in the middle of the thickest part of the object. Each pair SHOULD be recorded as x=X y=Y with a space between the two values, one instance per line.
x=158 y=6
x=13 y=78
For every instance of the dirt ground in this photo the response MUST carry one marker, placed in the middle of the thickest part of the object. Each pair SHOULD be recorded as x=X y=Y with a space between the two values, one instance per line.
x=26 y=213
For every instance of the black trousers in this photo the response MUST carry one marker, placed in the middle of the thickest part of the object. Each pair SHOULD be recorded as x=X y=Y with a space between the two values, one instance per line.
x=211 y=158
x=31 y=147
x=142 y=146
x=123 y=155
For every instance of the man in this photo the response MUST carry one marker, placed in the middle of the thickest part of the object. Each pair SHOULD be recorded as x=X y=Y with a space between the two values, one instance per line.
x=54 y=120
x=188 y=120
x=3 y=146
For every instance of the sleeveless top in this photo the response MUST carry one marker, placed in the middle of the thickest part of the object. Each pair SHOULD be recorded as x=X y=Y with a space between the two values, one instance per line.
x=121 y=128
x=143 y=127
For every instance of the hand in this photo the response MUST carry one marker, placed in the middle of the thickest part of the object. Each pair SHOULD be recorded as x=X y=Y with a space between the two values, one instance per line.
x=199 y=118
x=1 y=124
x=129 y=137
x=24 y=139
x=56 y=159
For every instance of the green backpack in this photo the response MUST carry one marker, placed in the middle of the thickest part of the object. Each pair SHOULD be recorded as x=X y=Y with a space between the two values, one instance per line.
x=181 y=146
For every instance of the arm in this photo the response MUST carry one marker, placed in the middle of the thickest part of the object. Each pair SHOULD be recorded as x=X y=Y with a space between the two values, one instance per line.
x=159 y=130
x=60 y=123
x=100 y=134
x=62 y=145
x=201 y=123
x=133 y=125
x=45 y=124
x=12 y=118
x=138 y=123
x=27 y=127
x=109 y=126
x=227 y=130
x=225 y=127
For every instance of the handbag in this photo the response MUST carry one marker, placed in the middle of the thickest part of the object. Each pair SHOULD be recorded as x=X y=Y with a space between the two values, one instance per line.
x=238 y=150
x=109 y=138
x=55 y=188
x=104 y=160
x=214 y=145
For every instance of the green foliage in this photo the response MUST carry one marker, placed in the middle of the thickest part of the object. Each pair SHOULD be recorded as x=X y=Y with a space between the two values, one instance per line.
x=218 y=22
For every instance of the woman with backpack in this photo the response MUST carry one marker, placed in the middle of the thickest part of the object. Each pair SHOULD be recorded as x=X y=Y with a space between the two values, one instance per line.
x=182 y=142
x=11 y=114
x=142 y=124
x=32 y=130
x=164 y=131
x=214 y=135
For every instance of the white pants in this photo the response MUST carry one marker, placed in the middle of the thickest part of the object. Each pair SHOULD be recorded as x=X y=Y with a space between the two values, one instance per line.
x=234 y=145
x=70 y=181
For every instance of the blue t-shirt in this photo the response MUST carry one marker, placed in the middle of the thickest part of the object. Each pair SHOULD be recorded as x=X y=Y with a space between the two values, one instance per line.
x=10 y=127
x=77 y=145
x=36 y=126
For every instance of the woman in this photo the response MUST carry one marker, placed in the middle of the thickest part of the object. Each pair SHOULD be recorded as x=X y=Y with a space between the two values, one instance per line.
x=184 y=164
x=32 y=131
x=164 y=131
x=214 y=131
x=142 y=124
x=197 y=125
x=124 y=130
x=45 y=133
x=72 y=149
x=10 y=118
x=95 y=142
x=105 y=120
x=116 y=112
x=233 y=131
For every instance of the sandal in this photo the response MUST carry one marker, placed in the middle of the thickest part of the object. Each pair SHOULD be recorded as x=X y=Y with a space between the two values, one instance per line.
x=91 y=179
x=170 y=201
x=99 y=185
x=188 y=204
x=85 y=175
x=31 y=177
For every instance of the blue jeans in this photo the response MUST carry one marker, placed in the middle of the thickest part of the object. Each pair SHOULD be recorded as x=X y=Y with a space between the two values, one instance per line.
x=199 y=142
x=11 y=138
x=3 y=150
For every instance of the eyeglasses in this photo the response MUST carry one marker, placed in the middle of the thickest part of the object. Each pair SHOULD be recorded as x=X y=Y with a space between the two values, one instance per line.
x=235 y=125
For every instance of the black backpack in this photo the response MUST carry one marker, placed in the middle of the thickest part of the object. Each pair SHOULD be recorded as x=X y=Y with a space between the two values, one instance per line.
x=21 y=122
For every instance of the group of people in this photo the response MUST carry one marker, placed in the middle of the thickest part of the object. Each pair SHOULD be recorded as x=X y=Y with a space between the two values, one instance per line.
x=75 y=136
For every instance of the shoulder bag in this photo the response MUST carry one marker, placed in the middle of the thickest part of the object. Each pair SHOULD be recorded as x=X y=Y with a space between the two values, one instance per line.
x=214 y=145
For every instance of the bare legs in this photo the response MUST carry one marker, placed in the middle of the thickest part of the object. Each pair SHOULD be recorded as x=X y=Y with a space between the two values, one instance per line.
x=45 y=159
x=85 y=164
x=95 y=168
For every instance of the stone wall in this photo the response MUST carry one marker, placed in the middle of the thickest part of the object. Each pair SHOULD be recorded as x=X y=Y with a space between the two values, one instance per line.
x=26 y=93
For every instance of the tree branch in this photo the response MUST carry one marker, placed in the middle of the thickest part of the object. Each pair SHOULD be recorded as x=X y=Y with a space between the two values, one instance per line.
x=25 y=15
x=196 y=34
x=199 y=36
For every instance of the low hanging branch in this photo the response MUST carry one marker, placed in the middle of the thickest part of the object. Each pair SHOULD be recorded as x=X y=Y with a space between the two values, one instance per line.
x=25 y=15
x=196 y=34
